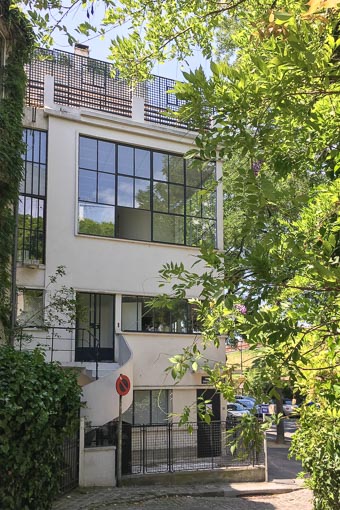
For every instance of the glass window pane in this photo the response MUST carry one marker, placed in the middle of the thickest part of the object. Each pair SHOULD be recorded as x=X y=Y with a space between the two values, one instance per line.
x=42 y=181
x=43 y=147
x=142 y=194
x=36 y=146
x=141 y=407
x=176 y=169
x=160 y=166
x=208 y=171
x=28 y=178
x=106 y=188
x=96 y=219
x=29 y=145
x=130 y=313
x=193 y=172
x=125 y=160
x=142 y=163
x=209 y=205
x=199 y=229
x=168 y=229
x=88 y=153
x=30 y=307
x=176 y=199
x=87 y=185
x=194 y=325
x=147 y=315
x=36 y=178
x=193 y=202
x=159 y=406
x=162 y=318
x=125 y=191
x=179 y=316
x=106 y=156
x=160 y=196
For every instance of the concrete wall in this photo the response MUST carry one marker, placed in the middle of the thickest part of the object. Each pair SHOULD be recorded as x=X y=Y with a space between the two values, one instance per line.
x=99 y=467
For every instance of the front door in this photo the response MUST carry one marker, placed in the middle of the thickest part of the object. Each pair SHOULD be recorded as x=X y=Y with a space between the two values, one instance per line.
x=209 y=435
x=95 y=327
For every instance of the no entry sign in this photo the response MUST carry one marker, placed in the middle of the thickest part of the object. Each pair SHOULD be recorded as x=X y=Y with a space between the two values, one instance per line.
x=123 y=385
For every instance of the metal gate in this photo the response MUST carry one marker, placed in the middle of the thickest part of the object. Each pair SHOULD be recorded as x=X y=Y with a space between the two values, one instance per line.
x=69 y=469
x=171 y=447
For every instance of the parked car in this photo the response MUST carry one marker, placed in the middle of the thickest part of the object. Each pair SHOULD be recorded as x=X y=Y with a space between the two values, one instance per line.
x=236 y=410
x=288 y=407
x=244 y=397
x=248 y=404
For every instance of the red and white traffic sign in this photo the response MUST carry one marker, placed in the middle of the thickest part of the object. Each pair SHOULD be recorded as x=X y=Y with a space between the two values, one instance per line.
x=123 y=385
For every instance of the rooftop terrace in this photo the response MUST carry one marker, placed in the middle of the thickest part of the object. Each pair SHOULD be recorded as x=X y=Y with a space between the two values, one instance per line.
x=83 y=82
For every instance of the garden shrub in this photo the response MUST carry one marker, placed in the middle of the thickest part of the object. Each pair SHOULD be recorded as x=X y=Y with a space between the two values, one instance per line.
x=39 y=408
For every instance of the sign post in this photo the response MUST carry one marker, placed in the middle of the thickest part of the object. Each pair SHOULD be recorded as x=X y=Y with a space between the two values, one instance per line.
x=123 y=387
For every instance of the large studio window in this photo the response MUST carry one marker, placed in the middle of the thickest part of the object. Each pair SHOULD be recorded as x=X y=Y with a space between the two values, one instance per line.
x=140 y=314
x=134 y=193
x=32 y=199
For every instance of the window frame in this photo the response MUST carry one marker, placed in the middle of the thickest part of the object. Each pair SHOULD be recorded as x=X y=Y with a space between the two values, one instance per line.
x=175 y=208
x=39 y=322
x=153 y=394
x=154 y=321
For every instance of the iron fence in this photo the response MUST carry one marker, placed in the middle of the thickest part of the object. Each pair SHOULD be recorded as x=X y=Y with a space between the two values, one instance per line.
x=69 y=469
x=172 y=447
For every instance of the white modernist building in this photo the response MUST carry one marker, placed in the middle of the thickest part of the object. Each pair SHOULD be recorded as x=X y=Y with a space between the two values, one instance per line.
x=108 y=195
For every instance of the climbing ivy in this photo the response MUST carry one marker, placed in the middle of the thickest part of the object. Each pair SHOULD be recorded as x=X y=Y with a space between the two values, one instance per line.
x=12 y=92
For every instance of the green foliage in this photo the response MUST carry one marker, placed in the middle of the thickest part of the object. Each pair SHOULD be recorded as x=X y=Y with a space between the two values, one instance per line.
x=317 y=444
x=246 y=437
x=12 y=83
x=39 y=407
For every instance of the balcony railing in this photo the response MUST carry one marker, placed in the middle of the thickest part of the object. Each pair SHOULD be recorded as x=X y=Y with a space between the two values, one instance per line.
x=84 y=82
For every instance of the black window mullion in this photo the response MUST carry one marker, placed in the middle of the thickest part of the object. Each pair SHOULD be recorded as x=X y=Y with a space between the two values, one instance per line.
x=150 y=406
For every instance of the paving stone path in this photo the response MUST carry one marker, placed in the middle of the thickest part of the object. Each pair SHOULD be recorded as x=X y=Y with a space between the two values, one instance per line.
x=299 y=499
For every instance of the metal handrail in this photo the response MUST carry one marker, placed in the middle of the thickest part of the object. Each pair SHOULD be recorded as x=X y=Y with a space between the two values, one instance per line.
x=28 y=338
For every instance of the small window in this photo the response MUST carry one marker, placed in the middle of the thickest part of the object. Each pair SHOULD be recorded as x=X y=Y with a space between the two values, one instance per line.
x=30 y=307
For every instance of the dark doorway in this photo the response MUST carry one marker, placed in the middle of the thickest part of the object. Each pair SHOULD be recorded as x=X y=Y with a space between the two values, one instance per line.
x=95 y=327
x=209 y=434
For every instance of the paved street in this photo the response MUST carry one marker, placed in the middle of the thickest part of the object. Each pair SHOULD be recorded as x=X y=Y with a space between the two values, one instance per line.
x=300 y=499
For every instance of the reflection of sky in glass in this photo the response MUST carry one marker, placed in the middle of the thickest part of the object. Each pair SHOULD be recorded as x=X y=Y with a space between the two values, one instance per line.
x=125 y=160
x=142 y=163
x=160 y=166
x=31 y=207
x=106 y=156
x=87 y=185
x=106 y=188
x=88 y=153
x=125 y=191
x=97 y=213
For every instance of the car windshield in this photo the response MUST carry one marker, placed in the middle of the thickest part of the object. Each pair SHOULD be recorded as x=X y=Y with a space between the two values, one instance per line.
x=235 y=407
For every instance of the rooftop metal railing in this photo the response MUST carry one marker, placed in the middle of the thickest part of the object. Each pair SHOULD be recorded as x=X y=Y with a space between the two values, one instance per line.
x=84 y=82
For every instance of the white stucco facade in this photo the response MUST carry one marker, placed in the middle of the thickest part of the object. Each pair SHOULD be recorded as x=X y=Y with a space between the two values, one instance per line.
x=112 y=266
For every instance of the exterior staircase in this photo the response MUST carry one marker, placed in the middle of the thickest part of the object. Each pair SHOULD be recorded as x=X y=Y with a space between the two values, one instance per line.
x=100 y=396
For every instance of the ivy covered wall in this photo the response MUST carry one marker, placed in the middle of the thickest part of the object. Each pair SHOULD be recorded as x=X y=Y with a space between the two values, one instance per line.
x=17 y=41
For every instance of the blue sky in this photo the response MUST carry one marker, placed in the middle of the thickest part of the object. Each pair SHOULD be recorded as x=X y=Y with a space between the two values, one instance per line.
x=99 y=48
